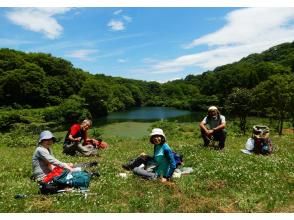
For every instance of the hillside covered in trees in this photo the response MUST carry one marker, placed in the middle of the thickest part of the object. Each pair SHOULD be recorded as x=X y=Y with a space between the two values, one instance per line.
x=257 y=84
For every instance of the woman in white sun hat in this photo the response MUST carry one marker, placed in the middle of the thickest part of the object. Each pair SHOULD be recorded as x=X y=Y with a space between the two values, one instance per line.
x=162 y=157
x=43 y=160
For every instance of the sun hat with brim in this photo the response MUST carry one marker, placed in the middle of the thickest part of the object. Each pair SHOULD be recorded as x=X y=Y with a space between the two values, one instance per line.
x=157 y=131
x=46 y=135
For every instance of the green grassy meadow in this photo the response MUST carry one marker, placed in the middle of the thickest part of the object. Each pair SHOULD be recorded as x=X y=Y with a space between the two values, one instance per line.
x=222 y=181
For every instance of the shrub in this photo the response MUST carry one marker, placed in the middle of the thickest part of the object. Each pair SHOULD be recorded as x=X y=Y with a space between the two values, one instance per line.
x=169 y=128
x=17 y=138
x=7 y=121
x=69 y=111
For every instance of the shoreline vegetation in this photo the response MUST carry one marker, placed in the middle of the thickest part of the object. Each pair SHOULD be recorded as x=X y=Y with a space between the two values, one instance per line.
x=224 y=182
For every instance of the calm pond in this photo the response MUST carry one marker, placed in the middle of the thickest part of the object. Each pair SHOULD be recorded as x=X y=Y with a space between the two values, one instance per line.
x=150 y=114
x=136 y=122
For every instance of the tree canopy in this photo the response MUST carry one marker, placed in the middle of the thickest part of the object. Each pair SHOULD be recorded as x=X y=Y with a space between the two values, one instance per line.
x=39 y=79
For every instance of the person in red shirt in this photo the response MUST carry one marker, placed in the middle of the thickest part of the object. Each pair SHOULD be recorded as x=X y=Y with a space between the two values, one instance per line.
x=77 y=142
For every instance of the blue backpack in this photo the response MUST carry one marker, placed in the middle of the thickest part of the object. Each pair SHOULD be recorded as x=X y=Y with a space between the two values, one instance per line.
x=78 y=179
x=178 y=158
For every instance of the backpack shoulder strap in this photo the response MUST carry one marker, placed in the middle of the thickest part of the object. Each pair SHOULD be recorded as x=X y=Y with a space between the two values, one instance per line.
x=219 y=121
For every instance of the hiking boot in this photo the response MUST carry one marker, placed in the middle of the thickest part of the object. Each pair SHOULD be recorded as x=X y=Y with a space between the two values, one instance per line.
x=69 y=153
x=126 y=166
x=95 y=174
x=93 y=164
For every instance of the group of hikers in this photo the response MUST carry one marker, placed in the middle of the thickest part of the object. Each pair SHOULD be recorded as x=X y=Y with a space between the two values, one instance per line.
x=159 y=166
x=46 y=167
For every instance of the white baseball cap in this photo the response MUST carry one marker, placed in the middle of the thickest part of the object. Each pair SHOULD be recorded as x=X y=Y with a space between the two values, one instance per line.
x=45 y=135
x=212 y=108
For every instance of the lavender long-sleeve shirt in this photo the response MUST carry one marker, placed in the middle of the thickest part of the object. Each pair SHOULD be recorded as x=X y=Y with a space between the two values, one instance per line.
x=42 y=159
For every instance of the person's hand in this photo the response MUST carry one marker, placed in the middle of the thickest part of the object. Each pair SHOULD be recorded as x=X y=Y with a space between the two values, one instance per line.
x=51 y=166
x=70 y=164
x=163 y=180
x=209 y=132
x=78 y=139
x=68 y=167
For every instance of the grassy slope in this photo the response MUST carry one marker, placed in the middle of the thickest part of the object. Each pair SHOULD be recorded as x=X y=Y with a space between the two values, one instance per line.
x=226 y=181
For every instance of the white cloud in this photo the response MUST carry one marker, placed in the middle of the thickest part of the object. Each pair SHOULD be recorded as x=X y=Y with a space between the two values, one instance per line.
x=122 y=60
x=38 y=20
x=127 y=18
x=119 y=23
x=83 y=54
x=249 y=25
x=250 y=30
x=117 y=12
x=167 y=80
x=4 y=42
x=212 y=58
x=149 y=60
x=116 y=25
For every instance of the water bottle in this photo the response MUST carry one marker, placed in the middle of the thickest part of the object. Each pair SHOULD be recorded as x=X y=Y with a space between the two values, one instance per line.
x=265 y=149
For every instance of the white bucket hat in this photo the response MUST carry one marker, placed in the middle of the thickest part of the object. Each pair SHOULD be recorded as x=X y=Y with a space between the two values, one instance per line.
x=157 y=131
x=46 y=135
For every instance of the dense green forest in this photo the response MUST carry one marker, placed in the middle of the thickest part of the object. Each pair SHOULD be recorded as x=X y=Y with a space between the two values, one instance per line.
x=259 y=84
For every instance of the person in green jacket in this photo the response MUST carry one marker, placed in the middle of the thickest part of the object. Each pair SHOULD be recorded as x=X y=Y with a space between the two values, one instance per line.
x=163 y=159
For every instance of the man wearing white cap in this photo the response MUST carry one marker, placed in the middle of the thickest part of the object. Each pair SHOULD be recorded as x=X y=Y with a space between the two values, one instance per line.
x=213 y=127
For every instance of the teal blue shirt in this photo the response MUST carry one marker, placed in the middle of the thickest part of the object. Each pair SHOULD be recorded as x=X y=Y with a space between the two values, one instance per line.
x=164 y=159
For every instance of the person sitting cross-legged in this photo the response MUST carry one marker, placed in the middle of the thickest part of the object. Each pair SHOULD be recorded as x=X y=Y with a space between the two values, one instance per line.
x=163 y=159
x=43 y=160
x=47 y=169
x=77 y=141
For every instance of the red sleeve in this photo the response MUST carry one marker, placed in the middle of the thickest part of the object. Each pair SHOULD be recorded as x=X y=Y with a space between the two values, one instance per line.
x=75 y=129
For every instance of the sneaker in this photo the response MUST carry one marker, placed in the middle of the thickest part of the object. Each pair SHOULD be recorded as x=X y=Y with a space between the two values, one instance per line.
x=93 y=164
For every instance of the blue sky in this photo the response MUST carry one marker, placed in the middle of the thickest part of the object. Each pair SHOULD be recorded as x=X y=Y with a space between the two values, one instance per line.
x=157 y=43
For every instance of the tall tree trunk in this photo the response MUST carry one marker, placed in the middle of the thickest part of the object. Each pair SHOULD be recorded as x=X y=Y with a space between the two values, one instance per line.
x=243 y=124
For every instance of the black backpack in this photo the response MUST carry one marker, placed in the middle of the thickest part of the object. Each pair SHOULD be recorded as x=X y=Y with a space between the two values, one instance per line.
x=49 y=188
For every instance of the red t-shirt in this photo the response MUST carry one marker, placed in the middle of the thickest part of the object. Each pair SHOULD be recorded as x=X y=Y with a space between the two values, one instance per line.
x=76 y=131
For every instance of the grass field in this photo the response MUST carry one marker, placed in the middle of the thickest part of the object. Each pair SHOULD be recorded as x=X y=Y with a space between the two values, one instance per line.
x=227 y=181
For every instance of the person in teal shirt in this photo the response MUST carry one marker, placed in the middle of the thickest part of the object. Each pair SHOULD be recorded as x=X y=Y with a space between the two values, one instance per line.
x=163 y=159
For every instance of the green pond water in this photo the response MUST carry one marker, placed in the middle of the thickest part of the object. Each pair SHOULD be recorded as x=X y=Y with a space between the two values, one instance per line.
x=136 y=122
